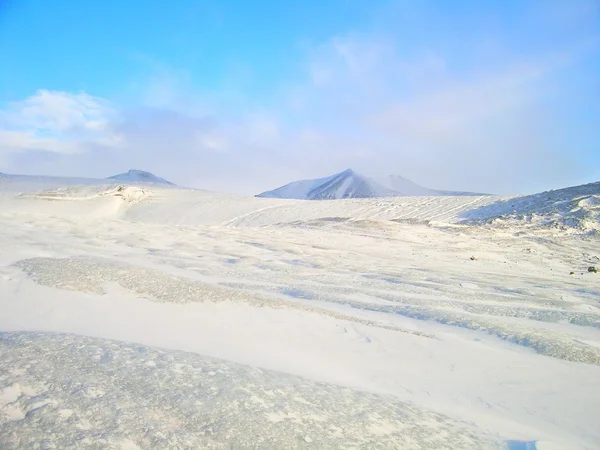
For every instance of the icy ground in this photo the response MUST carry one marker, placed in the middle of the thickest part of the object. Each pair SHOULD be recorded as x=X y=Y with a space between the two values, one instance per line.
x=107 y=393
x=140 y=317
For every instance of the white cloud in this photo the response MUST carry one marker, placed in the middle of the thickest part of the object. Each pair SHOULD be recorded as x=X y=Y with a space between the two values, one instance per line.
x=25 y=140
x=458 y=108
x=57 y=122
x=60 y=111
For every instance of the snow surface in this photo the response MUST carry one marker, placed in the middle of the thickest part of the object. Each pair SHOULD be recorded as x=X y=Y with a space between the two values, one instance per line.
x=349 y=184
x=575 y=207
x=137 y=176
x=15 y=184
x=139 y=316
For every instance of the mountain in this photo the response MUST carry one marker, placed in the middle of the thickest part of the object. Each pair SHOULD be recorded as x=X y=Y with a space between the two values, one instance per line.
x=346 y=184
x=349 y=184
x=137 y=176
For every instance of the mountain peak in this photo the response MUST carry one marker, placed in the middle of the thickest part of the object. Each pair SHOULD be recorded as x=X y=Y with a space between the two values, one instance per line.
x=139 y=176
x=346 y=184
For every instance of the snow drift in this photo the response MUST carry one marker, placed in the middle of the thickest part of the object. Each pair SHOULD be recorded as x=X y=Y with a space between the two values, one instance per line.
x=575 y=208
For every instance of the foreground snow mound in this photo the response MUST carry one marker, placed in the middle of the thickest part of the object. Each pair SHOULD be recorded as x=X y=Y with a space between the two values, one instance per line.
x=130 y=194
x=349 y=184
x=139 y=176
x=573 y=208
x=131 y=396
x=77 y=203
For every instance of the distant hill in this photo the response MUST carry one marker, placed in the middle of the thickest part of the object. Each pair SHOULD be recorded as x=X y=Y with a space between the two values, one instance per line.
x=137 y=176
x=350 y=184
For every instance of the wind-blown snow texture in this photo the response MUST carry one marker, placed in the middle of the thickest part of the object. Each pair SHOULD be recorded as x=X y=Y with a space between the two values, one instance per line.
x=137 y=176
x=575 y=207
x=349 y=184
x=147 y=316
x=183 y=400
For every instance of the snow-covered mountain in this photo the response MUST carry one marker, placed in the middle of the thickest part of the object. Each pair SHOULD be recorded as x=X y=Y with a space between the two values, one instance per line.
x=349 y=184
x=346 y=184
x=136 y=176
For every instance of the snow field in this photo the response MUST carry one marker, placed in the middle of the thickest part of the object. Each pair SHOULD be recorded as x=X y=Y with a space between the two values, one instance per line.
x=376 y=298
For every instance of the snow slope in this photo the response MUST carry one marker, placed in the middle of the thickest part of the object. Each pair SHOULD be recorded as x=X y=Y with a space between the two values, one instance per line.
x=137 y=176
x=575 y=207
x=349 y=184
x=196 y=319
x=14 y=184
x=297 y=190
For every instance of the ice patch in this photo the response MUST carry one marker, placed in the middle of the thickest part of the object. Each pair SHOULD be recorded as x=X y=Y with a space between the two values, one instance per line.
x=190 y=408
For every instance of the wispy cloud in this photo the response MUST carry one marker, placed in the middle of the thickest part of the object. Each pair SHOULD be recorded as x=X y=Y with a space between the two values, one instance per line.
x=61 y=133
x=486 y=128
x=57 y=122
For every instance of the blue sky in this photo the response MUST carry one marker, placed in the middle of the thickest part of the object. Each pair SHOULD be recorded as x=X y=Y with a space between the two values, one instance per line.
x=498 y=96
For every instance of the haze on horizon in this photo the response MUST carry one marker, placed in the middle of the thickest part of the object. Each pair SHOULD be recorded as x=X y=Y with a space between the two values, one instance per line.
x=242 y=97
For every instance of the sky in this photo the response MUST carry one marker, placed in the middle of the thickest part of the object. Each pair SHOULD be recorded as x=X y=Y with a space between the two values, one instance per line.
x=501 y=96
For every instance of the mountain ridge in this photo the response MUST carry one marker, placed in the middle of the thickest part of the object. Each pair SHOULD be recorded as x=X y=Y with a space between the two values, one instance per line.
x=351 y=184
